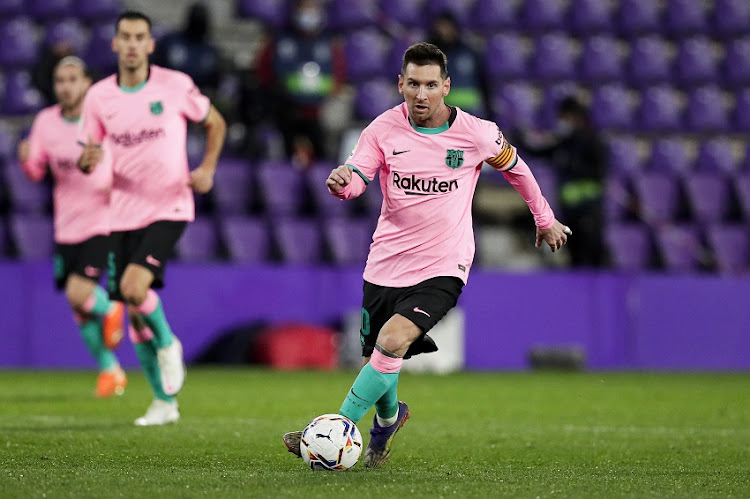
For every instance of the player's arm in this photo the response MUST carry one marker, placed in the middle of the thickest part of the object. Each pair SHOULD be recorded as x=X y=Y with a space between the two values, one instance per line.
x=202 y=178
x=31 y=155
x=350 y=180
x=90 y=135
x=505 y=159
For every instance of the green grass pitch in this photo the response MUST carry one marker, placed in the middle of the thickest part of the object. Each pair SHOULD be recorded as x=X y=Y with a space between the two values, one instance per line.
x=470 y=435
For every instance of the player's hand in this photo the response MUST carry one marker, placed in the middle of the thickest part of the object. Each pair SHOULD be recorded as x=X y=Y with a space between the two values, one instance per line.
x=202 y=179
x=339 y=178
x=23 y=150
x=554 y=236
x=92 y=153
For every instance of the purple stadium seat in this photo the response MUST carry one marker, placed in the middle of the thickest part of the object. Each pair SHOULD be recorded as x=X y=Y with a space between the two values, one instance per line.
x=554 y=57
x=44 y=10
x=33 y=236
x=491 y=15
x=697 y=61
x=349 y=240
x=707 y=195
x=661 y=109
x=404 y=13
x=366 y=52
x=98 y=10
x=671 y=155
x=352 y=14
x=11 y=8
x=547 y=179
x=649 y=61
x=300 y=241
x=25 y=196
x=602 y=59
x=512 y=50
x=516 y=104
x=637 y=16
x=461 y=9
x=680 y=247
x=685 y=16
x=247 y=239
x=99 y=54
x=327 y=205
x=233 y=187
x=731 y=247
x=658 y=197
x=742 y=185
x=708 y=110
x=629 y=246
x=618 y=200
x=18 y=43
x=199 y=242
x=20 y=96
x=281 y=201
x=271 y=12
x=543 y=14
x=613 y=106
x=731 y=17
x=7 y=145
x=742 y=110
x=395 y=58
x=737 y=62
x=591 y=16
x=66 y=30
x=624 y=156
x=718 y=155
x=374 y=97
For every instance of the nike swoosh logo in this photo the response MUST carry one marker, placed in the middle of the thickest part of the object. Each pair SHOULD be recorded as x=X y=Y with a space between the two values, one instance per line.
x=419 y=310
x=396 y=153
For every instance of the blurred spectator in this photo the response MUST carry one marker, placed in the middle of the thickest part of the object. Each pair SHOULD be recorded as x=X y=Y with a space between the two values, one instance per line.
x=469 y=85
x=299 y=70
x=50 y=54
x=190 y=51
x=580 y=157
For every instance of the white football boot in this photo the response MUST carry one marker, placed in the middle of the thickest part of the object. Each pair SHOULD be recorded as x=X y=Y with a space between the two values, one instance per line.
x=171 y=367
x=159 y=413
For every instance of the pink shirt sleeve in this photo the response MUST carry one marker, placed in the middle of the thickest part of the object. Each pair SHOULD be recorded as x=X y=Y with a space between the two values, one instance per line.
x=36 y=164
x=521 y=178
x=496 y=151
x=90 y=126
x=195 y=105
x=365 y=161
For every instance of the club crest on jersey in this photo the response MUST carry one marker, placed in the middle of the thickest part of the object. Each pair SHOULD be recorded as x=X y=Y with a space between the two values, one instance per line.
x=156 y=107
x=454 y=158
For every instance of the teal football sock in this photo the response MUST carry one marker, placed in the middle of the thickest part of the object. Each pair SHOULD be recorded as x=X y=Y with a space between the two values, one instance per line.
x=146 y=352
x=91 y=332
x=367 y=389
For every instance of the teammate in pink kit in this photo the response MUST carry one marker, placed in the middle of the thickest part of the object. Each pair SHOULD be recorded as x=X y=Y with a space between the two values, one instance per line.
x=141 y=115
x=81 y=220
x=429 y=156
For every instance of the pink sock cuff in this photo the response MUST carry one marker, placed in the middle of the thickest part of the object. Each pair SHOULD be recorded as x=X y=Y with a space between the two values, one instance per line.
x=384 y=364
x=139 y=336
x=150 y=303
x=88 y=305
x=79 y=318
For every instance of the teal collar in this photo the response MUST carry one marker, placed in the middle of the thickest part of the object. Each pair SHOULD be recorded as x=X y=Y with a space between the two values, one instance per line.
x=70 y=120
x=440 y=129
x=132 y=90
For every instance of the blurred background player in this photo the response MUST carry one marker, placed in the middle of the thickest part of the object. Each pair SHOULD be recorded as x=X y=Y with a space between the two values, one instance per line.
x=431 y=155
x=81 y=220
x=141 y=113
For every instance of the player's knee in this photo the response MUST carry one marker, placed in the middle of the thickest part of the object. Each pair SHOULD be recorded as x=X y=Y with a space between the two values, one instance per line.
x=76 y=296
x=132 y=293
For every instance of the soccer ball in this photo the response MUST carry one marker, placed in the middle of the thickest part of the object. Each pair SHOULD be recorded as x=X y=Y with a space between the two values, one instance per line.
x=331 y=442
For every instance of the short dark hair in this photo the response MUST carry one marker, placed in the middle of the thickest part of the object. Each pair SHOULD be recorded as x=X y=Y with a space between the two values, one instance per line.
x=424 y=54
x=132 y=15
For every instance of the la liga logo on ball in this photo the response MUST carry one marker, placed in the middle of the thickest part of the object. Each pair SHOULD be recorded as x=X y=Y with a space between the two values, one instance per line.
x=331 y=442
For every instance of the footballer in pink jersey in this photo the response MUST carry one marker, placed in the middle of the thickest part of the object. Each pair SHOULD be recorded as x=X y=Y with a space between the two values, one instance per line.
x=81 y=220
x=141 y=114
x=429 y=156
